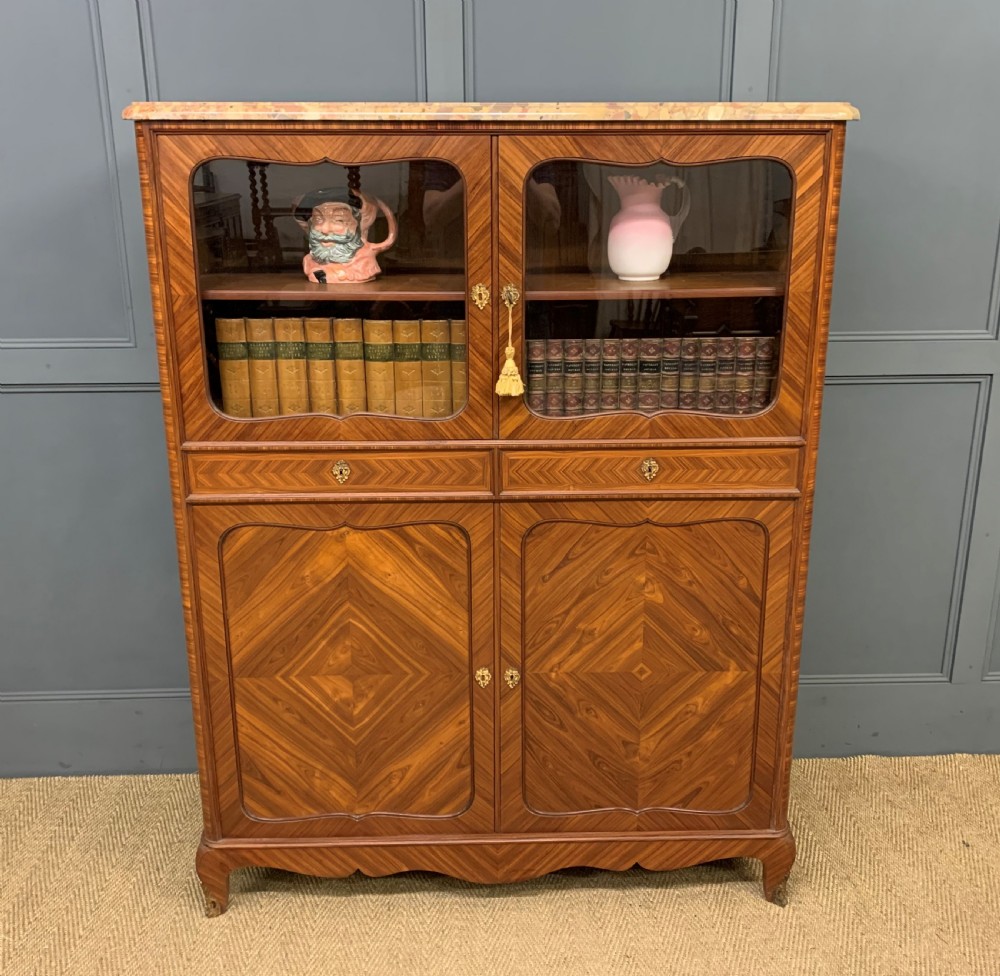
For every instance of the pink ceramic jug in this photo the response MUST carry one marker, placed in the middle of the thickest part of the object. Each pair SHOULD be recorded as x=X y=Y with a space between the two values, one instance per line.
x=641 y=236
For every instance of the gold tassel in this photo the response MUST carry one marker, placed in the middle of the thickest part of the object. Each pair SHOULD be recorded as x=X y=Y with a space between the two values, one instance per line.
x=510 y=382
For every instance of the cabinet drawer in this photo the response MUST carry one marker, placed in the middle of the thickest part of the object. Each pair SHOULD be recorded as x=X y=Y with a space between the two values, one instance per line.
x=341 y=473
x=762 y=471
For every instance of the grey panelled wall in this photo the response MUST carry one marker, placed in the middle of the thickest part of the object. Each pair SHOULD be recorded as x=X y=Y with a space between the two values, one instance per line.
x=915 y=325
x=902 y=651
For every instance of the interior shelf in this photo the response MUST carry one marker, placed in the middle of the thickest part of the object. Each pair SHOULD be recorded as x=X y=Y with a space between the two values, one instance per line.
x=681 y=284
x=291 y=286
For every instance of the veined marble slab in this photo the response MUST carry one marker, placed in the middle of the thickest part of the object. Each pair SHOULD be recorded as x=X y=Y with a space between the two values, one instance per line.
x=493 y=111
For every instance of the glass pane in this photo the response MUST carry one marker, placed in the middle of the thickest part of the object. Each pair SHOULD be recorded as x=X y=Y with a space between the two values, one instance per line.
x=655 y=288
x=333 y=290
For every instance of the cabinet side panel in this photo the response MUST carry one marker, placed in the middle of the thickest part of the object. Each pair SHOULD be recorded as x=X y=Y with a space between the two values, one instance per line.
x=169 y=386
x=814 y=392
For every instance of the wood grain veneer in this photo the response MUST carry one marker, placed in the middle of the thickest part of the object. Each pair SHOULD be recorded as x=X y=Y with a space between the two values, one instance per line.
x=371 y=472
x=678 y=471
x=352 y=647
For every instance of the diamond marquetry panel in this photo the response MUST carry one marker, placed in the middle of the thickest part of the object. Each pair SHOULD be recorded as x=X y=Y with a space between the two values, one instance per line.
x=343 y=667
x=351 y=694
x=614 y=700
x=650 y=644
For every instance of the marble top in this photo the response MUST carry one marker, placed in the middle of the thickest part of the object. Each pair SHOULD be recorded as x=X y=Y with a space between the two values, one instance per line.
x=493 y=111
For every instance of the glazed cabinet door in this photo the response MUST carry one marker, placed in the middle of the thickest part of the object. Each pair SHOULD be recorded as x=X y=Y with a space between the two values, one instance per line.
x=315 y=284
x=341 y=646
x=668 y=281
x=644 y=645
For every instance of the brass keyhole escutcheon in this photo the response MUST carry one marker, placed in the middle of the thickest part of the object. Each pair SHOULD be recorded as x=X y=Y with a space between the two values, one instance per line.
x=341 y=471
x=512 y=676
x=510 y=295
x=649 y=468
x=481 y=296
x=483 y=677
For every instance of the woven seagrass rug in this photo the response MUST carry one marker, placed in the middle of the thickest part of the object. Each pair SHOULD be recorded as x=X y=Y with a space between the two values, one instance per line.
x=898 y=873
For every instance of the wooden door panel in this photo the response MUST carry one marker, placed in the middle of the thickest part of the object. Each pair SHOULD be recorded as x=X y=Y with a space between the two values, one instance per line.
x=649 y=637
x=177 y=155
x=341 y=644
x=807 y=156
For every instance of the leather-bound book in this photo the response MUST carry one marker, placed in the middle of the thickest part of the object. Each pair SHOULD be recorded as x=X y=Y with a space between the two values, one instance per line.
x=535 y=383
x=435 y=356
x=573 y=377
x=591 y=375
x=670 y=372
x=628 y=396
x=555 y=363
x=349 y=356
x=708 y=358
x=234 y=366
x=263 y=368
x=611 y=373
x=650 y=352
x=725 y=383
x=407 y=368
x=319 y=365
x=380 y=381
x=290 y=353
x=459 y=364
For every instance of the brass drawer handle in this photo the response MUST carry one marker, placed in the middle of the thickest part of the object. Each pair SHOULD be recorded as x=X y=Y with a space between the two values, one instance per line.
x=483 y=677
x=512 y=676
x=341 y=471
x=649 y=468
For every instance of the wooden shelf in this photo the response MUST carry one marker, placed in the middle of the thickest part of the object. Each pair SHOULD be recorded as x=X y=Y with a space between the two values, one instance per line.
x=292 y=286
x=681 y=284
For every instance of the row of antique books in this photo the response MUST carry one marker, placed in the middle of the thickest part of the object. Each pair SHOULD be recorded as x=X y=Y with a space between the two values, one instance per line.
x=403 y=367
x=718 y=374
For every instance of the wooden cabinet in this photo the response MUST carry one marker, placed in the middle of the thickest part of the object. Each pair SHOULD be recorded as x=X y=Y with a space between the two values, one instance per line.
x=431 y=627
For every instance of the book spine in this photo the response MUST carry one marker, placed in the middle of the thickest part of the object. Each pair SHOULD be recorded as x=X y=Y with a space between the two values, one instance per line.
x=611 y=373
x=263 y=368
x=573 y=377
x=628 y=392
x=554 y=396
x=535 y=386
x=591 y=375
x=746 y=355
x=234 y=367
x=407 y=369
x=670 y=373
x=380 y=385
x=290 y=352
x=764 y=373
x=650 y=353
x=319 y=365
x=725 y=384
x=708 y=356
x=349 y=356
x=459 y=364
x=688 y=394
x=435 y=355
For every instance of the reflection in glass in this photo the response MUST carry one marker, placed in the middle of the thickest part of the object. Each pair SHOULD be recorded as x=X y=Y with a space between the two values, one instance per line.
x=607 y=329
x=333 y=290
